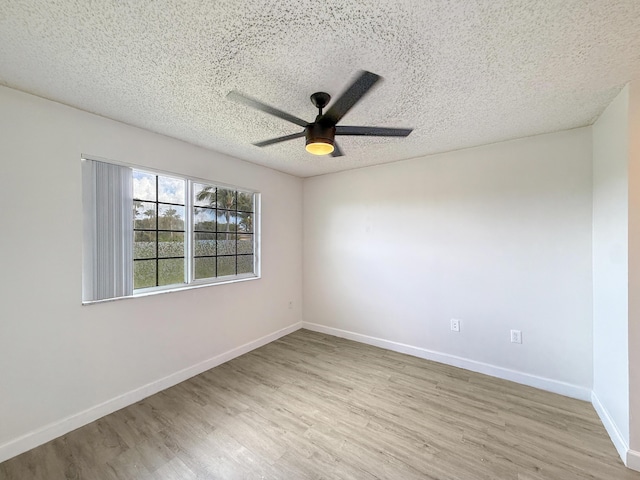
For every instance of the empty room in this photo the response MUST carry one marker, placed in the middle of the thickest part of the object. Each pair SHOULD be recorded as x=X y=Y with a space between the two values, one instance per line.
x=312 y=239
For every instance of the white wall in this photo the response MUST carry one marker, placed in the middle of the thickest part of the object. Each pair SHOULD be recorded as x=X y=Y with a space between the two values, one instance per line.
x=610 y=266
x=497 y=236
x=58 y=358
x=633 y=460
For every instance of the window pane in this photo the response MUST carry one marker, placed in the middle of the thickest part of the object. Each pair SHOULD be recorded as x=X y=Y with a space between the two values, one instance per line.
x=205 y=267
x=204 y=219
x=245 y=222
x=245 y=201
x=205 y=244
x=226 y=244
x=170 y=217
x=245 y=243
x=226 y=199
x=144 y=215
x=144 y=244
x=144 y=273
x=170 y=190
x=171 y=271
x=226 y=266
x=144 y=186
x=204 y=195
x=227 y=220
x=170 y=244
x=245 y=264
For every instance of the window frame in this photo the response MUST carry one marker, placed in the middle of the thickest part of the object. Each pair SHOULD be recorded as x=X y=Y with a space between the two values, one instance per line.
x=190 y=282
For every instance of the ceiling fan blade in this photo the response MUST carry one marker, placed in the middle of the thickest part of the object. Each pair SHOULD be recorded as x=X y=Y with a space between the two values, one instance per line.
x=373 y=131
x=336 y=150
x=251 y=102
x=350 y=97
x=279 y=139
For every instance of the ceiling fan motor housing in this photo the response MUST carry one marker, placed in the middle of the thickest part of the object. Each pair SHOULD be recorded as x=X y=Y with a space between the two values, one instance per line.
x=319 y=133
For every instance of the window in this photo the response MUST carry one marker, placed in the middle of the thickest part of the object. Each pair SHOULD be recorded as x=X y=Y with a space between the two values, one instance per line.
x=158 y=230
x=149 y=231
x=223 y=231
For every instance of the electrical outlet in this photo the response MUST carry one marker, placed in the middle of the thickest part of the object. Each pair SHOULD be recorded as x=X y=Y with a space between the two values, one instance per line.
x=455 y=325
x=516 y=336
x=290 y=305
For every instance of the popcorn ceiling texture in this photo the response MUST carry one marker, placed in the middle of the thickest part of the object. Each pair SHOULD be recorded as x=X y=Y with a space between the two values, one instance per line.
x=461 y=73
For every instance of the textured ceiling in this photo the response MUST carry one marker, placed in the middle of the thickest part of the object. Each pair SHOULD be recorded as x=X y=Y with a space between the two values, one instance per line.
x=461 y=73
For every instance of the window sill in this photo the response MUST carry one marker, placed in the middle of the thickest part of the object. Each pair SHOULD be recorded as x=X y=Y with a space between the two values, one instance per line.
x=175 y=288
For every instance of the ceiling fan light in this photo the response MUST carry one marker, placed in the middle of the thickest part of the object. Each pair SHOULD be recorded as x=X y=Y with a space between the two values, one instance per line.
x=320 y=138
x=319 y=148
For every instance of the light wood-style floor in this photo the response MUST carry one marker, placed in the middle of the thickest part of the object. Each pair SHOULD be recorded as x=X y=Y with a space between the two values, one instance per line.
x=312 y=406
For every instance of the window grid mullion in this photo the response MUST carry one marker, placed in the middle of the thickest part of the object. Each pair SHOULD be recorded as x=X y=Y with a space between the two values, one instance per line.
x=235 y=194
x=157 y=258
x=216 y=229
x=157 y=233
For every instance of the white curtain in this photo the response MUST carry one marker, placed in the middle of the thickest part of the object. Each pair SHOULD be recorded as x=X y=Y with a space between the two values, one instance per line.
x=108 y=230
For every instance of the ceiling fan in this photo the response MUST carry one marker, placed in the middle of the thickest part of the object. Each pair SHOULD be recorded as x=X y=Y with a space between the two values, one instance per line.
x=320 y=134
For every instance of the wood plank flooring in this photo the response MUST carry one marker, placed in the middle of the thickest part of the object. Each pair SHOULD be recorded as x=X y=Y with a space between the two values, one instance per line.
x=312 y=406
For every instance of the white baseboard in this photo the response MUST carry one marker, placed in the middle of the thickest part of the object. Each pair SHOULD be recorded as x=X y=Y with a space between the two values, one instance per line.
x=633 y=460
x=56 y=429
x=555 y=386
x=612 y=429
